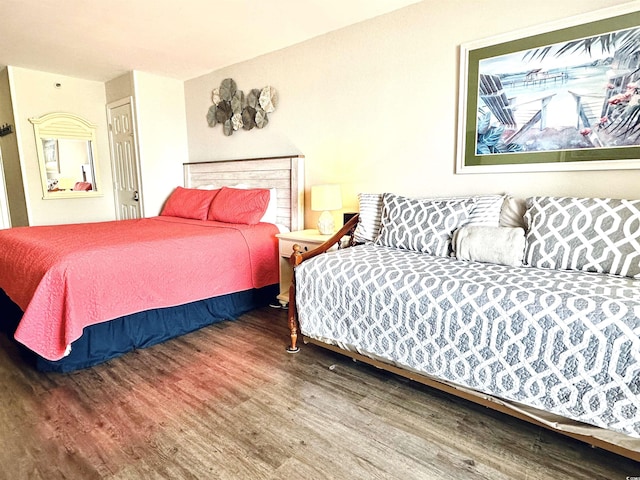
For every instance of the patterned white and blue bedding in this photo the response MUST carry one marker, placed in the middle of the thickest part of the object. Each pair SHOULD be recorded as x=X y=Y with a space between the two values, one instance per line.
x=564 y=342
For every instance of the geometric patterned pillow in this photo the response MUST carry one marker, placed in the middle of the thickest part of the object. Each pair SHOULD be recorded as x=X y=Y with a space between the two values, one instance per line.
x=421 y=225
x=486 y=212
x=370 y=215
x=587 y=234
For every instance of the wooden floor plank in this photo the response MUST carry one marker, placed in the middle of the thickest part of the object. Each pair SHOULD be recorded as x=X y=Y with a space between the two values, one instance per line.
x=227 y=402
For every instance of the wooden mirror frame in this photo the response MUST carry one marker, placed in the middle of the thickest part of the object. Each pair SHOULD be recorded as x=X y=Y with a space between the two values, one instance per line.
x=60 y=126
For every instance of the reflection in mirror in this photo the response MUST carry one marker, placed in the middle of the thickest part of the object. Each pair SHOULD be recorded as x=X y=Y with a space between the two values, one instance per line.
x=66 y=152
x=75 y=173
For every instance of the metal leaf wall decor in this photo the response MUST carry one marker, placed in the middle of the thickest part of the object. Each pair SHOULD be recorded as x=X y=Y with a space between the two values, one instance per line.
x=234 y=110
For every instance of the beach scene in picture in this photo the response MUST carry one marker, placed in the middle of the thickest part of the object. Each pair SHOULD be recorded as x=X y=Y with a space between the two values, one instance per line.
x=579 y=94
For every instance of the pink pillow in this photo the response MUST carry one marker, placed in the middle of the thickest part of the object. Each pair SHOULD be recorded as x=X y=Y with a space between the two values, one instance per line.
x=189 y=203
x=236 y=205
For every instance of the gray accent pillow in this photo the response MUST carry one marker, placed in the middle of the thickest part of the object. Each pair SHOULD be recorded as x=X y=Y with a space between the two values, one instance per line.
x=421 y=225
x=512 y=214
x=501 y=245
x=586 y=234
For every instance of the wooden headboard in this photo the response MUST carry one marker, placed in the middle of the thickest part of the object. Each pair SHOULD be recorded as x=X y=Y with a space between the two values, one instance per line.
x=285 y=174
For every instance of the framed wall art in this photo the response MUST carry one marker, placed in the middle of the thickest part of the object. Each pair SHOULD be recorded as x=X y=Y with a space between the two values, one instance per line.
x=565 y=96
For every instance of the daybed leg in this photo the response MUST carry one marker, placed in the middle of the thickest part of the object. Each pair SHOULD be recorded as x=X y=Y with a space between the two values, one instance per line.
x=293 y=324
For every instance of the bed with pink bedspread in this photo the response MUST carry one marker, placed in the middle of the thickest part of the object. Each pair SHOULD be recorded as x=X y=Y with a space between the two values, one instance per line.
x=66 y=278
x=76 y=295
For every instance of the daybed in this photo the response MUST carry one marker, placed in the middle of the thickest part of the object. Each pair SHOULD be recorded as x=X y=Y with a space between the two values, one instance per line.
x=77 y=295
x=529 y=308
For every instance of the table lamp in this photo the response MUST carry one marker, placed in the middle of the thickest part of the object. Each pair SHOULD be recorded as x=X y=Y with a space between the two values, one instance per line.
x=325 y=198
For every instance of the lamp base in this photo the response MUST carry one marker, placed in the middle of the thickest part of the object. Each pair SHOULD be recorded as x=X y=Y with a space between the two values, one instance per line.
x=326 y=225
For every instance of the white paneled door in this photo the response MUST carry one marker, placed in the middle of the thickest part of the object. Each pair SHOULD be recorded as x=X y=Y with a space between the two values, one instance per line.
x=124 y=160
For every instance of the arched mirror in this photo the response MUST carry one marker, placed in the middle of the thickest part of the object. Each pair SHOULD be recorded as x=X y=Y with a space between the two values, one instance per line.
x=67 y=157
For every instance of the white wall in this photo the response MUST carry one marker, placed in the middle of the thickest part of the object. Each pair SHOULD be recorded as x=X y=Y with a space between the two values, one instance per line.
x=34 y=94
x=160 y=112
x=374 y=106
x=119 y=87
x=162 y=137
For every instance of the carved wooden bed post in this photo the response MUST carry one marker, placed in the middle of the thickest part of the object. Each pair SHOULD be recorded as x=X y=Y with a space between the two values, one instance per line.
x=295 y=260
x=297 y=257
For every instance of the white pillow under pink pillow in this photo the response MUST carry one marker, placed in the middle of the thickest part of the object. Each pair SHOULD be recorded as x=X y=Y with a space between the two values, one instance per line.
x=271 y=214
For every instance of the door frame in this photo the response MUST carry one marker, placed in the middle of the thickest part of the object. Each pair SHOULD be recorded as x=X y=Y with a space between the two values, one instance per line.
x=5 y=218
x=134 y=129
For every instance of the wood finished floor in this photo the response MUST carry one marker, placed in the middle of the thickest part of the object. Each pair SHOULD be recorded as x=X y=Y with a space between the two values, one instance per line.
x=227 y=402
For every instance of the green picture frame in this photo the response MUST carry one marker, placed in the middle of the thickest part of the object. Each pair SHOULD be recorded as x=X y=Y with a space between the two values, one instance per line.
x=564 y=96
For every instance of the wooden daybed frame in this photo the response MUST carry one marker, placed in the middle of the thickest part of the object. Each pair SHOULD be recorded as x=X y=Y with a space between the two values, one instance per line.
x=297 y=257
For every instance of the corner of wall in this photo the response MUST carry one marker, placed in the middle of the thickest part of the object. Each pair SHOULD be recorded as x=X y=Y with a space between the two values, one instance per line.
x=119 y=87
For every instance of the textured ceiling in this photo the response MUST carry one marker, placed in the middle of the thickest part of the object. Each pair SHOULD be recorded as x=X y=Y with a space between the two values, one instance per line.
x=100 y=40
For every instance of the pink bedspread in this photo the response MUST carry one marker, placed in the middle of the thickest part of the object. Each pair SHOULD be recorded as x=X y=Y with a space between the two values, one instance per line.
x=65 y=278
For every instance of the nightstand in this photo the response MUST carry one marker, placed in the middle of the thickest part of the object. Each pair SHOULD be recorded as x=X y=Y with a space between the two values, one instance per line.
x=308 y=240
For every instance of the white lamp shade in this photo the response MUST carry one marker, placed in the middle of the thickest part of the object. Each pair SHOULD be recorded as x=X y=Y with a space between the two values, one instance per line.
x=326 y=197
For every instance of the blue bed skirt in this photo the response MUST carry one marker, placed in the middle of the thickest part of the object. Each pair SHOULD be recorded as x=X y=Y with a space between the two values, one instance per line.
x=107 y=340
